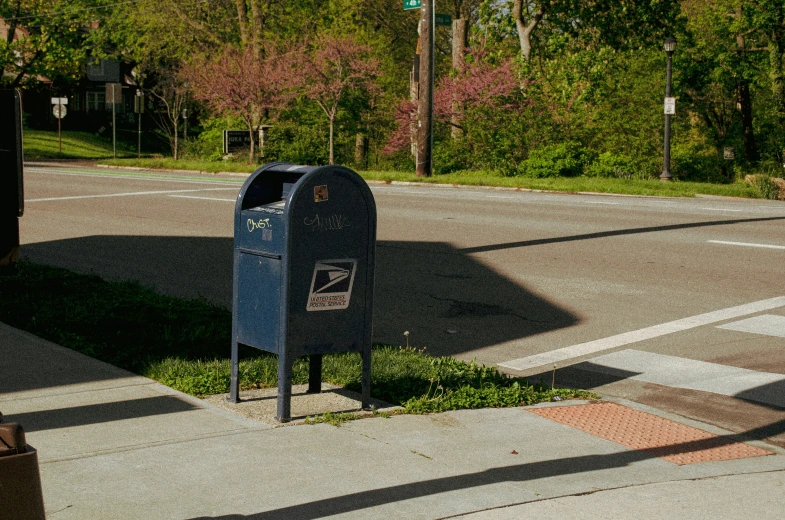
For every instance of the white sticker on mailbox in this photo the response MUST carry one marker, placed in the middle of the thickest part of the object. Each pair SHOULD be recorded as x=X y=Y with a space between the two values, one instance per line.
x=331 y=285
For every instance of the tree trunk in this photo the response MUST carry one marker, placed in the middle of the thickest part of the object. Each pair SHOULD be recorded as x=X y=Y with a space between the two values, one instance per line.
x=460 y=41
x=745 y=106
x=744 y=103
x=252 y=150
x=332 y=127
x=361 y=151
x=259 y=14
x=775 y=41
x=525 y=28
x=242 y=18
x=775 y=74
x=175 y=150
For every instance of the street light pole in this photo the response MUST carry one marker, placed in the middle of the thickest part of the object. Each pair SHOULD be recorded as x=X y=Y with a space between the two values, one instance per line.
x=670 y=46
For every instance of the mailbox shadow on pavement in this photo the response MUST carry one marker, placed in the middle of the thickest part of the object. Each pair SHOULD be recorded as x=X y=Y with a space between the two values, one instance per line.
x=449 y=302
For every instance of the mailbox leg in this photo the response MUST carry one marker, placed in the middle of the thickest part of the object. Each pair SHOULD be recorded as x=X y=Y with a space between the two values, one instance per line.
x=366 y=380
x=315 y=374
x=234 y=386
x=285 y=365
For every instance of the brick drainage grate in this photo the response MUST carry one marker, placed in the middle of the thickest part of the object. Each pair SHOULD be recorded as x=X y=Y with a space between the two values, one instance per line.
x=669 y=440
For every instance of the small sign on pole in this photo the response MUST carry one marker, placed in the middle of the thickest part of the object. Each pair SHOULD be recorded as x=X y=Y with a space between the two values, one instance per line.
x=670 y=105
x=728 y=153
x=411 y=4
x=59 y=111
x=114 y=93
x=139 y=102
x=444 y=19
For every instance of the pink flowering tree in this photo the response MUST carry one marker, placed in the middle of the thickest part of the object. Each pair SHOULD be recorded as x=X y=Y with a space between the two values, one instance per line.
x=481 y=87
x=334 y=68
x=239 y=82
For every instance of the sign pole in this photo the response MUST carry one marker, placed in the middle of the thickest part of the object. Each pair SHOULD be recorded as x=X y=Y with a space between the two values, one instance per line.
x=114 y=129
x=139 y=110
x=59 y=130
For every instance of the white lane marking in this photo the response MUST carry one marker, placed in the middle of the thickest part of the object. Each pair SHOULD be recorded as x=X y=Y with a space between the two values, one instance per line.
x=767 y=324
x=202 y=198
x=130 y=194
x=601 y=202
x=548 y=359
x=136 y=177
x=721 y=209
x=745 y=244
x=691 y=374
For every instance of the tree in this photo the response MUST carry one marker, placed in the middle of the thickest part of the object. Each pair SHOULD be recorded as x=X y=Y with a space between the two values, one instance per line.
x=41 y=39
x=480 y=89
x=238 y=82
x=615 y=23
x=334 y=68
x=170 y=88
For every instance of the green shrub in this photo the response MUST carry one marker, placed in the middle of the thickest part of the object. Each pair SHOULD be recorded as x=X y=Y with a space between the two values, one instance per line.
x=697 y=163
x=566 y=159
x=451 y=156
x=298 y=144
x=612 y=165
x=208 y=145
x=764 y=186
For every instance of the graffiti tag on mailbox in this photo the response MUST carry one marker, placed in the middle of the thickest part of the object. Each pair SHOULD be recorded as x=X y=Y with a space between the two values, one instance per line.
x=331 y=223
x=262 y=223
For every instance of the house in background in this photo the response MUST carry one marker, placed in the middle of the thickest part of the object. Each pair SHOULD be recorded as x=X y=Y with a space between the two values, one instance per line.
x=87 y=99
x=87 y=108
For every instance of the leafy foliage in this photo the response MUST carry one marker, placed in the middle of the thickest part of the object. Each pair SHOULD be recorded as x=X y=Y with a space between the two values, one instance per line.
x=536 y=74
x=566 y=159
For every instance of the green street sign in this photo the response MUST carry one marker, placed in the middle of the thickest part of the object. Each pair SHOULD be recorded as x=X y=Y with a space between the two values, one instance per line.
x=443 y=19
x=411 y=4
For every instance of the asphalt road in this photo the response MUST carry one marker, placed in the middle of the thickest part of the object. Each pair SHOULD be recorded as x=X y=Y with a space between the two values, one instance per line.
x=678 y=292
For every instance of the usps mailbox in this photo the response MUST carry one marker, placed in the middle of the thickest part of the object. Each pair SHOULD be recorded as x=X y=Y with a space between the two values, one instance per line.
x=304 y=248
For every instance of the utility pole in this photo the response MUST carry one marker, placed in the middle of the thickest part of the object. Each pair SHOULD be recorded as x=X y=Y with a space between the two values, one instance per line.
x=425 y=105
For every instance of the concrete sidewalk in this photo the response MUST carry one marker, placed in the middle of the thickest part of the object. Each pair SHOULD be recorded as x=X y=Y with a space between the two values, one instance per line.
x=115 y=445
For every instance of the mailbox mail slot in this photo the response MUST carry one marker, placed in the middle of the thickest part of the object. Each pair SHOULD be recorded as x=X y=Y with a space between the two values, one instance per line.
x=304 y=247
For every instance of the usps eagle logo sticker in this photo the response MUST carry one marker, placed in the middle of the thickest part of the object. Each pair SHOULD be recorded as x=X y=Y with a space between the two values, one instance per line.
x=331 y=285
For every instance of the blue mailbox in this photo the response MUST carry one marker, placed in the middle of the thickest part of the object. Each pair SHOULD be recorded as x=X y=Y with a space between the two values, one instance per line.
x=304 y=249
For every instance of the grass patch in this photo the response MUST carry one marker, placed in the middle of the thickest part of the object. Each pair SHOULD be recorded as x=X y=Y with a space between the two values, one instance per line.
x=185 y=344
x=83 y=145
x=576 y=184
x=333 y=419
x=39 y=144
x=167 y=163
x=478 y=178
